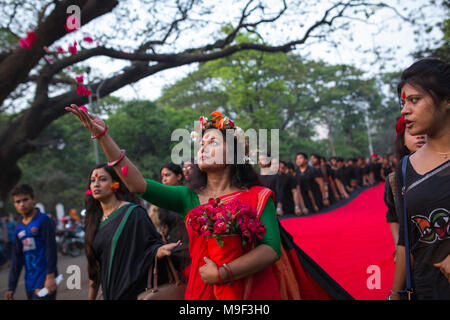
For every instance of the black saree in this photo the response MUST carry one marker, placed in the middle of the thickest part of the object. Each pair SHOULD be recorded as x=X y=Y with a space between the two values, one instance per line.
x=125 y=245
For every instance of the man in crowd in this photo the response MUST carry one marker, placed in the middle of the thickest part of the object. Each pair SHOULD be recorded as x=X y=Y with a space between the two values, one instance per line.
x=309 y=180
x=35 y=248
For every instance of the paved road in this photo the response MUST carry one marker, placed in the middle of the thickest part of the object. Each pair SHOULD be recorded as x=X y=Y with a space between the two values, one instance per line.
x=74 y=271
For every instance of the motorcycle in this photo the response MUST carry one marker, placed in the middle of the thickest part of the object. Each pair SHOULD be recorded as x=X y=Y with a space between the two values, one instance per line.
x=70 y=240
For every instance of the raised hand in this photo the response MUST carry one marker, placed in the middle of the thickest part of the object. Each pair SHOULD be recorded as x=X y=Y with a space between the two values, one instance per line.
x=93 y=123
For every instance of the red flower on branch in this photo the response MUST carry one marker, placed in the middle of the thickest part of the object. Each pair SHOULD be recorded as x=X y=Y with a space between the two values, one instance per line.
x=73 y=48
x=73 y=22
x=79 y=78
x=88 y=39
x=82 y=91
x=28 y=42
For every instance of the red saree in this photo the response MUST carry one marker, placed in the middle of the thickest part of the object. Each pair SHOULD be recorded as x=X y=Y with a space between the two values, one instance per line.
x=262 y=285
x=294 y=276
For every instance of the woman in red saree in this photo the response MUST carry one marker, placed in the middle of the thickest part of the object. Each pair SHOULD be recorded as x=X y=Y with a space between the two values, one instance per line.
x=273 y=268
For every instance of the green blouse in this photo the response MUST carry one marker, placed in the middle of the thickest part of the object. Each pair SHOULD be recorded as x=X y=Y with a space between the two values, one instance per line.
x=182 y=199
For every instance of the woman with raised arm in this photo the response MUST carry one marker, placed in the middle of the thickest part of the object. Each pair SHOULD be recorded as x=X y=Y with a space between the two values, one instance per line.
x=424 y=92
x=265 y=268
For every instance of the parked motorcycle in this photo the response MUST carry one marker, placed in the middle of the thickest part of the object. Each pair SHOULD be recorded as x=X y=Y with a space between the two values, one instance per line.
x=70 y=240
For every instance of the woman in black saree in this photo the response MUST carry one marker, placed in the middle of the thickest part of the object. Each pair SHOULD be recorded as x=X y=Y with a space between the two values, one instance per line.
x=424 y=92
x=120 y=240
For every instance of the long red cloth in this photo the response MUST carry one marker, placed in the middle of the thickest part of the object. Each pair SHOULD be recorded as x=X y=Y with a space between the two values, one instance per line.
x=353 y=244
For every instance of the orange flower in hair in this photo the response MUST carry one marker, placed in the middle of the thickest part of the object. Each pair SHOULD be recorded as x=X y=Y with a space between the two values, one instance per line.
x=114 y=186
x=219 y=119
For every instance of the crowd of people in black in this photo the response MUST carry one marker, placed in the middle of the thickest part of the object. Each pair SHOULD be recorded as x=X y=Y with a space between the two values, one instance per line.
x=316 y=183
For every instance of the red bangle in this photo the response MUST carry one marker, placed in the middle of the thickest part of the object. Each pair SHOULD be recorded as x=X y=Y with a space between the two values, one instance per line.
x=229 y=272
x=218 y=274
x=113 y=163
x=100 y=134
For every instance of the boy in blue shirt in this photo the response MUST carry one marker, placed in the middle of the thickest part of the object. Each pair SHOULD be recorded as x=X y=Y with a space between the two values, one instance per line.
x=35 y=248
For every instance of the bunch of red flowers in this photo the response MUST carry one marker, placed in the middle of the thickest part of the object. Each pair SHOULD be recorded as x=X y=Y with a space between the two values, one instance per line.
x=216 y=219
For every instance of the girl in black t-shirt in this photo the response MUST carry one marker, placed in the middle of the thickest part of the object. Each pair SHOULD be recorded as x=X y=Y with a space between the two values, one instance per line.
x=424 y=92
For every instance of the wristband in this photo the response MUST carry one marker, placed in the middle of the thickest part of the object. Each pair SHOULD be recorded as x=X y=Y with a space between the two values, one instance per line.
x=113 y=163
x=229 y=272
x=100 y=134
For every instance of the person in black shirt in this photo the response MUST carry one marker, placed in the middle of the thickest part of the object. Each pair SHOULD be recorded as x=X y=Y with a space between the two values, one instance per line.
x=424 y=92
x=330 y=177
x=267 y=175
x=307 y=181
x=351 y=174
x=385 y=168
x=286 y=186
x=323 y=180
x=340 y=178
x=363 y=172
x=376 y=169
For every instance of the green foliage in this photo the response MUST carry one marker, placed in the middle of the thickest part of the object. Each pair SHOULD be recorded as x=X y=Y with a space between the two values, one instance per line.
x=283 y=91
x=59 y=169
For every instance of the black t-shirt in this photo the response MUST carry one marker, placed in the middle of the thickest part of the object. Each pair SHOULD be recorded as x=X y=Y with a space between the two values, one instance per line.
x=340 y=175
x=428 y=214
x=269 y=181
x=386 y=170
x=350 y=174
x=307 y=182
x=391 y=214
x=284 y=185
x=376 y=169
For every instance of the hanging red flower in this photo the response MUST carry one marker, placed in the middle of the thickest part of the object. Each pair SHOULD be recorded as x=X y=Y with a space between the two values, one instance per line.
x=28 y=42
x=73 y=48
x=88 y=39
x=72 y=21
x=79 y=78
x=82 y=91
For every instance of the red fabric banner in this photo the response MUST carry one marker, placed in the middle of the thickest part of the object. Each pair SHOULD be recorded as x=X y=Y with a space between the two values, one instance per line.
x=353 y=244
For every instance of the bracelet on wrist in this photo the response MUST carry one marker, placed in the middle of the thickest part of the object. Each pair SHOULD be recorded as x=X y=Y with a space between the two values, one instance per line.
x=227 y=267
x=113 y=163
x=218 y=275
x=100 y=134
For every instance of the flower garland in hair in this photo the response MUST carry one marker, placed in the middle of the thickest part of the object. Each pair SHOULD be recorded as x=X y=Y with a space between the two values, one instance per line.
x=220 y=122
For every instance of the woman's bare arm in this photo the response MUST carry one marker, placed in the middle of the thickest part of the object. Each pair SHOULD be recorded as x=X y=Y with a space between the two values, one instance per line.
x=252 y=262
x=134 y=180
